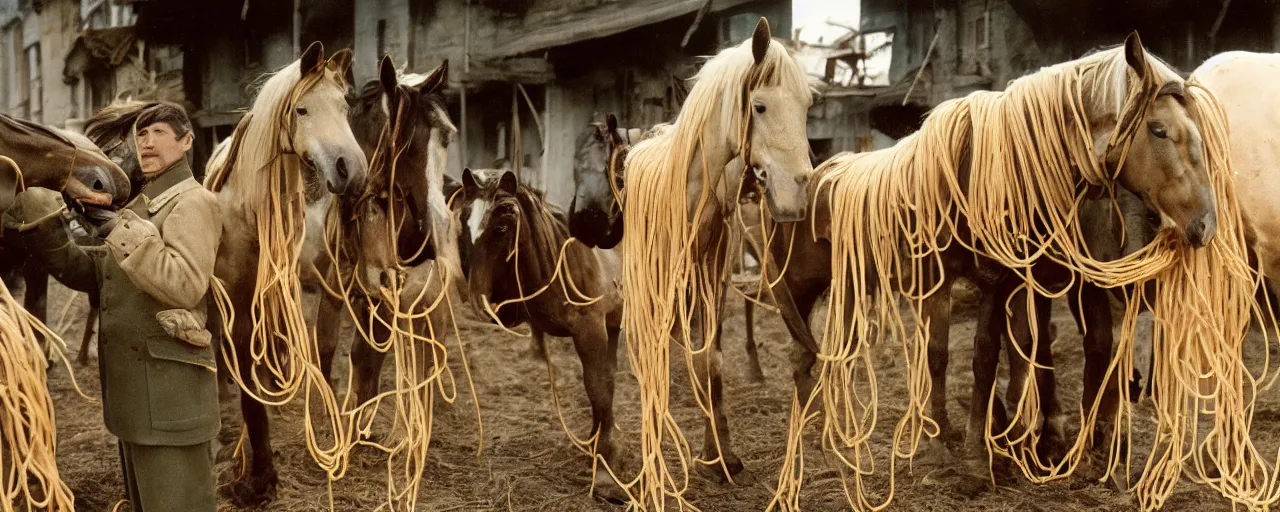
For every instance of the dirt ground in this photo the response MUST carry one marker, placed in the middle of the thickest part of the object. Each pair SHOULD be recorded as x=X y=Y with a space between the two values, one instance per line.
x=529 y=464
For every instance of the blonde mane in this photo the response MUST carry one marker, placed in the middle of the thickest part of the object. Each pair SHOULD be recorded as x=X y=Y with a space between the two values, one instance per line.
x=717 y=97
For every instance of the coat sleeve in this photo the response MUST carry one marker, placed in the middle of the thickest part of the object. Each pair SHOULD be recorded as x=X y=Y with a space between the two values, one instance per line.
x=67 y=262
x=173 y=266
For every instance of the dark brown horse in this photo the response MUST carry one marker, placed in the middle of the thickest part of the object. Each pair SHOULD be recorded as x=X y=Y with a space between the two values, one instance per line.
x=517 y=256
x=59 y=160
x=595 y=217
x=401 y=124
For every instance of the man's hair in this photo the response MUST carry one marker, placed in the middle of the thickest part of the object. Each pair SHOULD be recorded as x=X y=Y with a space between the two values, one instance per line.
x=168 y=113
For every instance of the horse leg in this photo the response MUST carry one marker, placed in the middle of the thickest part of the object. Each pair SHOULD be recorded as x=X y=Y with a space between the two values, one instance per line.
x=328 y=327
x=537 y=348
x=937 y=309
x=366 y=361
x=1051 y=443
x=597 y=346
x=260 y=486
x=754 y=372
x=36 y=302
x=716 y=445
x=90 y=322
x=802 y=371
x=1053 y=437
x=986 y=360
x=1097 y=357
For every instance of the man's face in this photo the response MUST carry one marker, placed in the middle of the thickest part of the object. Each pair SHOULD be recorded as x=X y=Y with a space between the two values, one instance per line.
x=159 y=147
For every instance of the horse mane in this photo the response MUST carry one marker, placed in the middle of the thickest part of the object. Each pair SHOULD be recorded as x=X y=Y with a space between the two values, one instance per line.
x=717 y=95
x=964 y=178
x=114 y=122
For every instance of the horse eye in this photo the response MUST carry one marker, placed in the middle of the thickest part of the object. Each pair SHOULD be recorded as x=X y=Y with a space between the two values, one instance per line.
x=1158 y=130
x=501 y=229
x=301 y=110
x=759 y=108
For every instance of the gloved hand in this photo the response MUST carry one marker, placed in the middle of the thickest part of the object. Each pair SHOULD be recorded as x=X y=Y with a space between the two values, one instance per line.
x=32 y=207
x=102 y=220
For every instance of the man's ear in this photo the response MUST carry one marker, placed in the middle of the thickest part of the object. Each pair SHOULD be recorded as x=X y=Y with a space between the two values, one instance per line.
x=188 y=140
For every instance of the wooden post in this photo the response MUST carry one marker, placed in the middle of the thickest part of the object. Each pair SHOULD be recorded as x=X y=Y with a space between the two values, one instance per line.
x=516 y=151
x=297 y=28
x=466 y=68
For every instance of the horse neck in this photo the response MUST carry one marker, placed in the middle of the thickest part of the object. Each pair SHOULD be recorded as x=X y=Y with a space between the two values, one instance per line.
x=43 y=161
x=714 y=151
x=249 y=183
x=541 y=237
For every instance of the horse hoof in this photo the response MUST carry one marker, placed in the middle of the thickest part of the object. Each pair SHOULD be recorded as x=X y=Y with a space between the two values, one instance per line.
x=82 y=361
x=254 y=492
x=607 y=489
x=731 y=463
x=755 y=375
x=1053 y=448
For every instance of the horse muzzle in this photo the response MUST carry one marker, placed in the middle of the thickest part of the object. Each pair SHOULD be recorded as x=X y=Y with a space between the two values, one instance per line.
x=1202 y=229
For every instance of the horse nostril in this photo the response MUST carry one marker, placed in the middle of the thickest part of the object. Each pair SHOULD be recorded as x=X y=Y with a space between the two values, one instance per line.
x=1196 y=232
x=343 y=173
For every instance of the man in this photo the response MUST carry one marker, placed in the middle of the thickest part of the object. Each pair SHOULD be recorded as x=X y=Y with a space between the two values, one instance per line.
x=159 y=390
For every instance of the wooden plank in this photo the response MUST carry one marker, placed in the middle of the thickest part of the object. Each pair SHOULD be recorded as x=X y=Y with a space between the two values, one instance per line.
x=521 y=70
x=605 y=20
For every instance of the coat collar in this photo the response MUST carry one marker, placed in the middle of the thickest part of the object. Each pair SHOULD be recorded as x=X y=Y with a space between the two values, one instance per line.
x=167 y=185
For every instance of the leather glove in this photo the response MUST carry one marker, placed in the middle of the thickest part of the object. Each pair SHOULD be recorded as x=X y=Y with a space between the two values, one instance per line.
x=32 y=207
x=102 y=220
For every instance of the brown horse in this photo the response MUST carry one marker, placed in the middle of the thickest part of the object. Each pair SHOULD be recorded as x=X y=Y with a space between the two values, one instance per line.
x=1162 y=168
x=59 y=160
x=408 y=109
x=516 y=259
x=294 y=143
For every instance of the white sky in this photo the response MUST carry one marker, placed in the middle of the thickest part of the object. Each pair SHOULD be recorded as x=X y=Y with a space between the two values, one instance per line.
x=809 y=16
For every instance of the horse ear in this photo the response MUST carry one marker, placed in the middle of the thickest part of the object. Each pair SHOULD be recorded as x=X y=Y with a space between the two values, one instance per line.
x=438 y=78
x=469 y=186
x=340 y=61
x=312 y=59
x=387 y=76
x=760 y=40
x=8 y=182
x=612 y=123
x=1134 y=54
x=508 y=182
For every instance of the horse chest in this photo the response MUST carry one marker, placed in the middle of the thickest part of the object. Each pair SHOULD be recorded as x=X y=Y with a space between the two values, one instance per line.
x=313 y=245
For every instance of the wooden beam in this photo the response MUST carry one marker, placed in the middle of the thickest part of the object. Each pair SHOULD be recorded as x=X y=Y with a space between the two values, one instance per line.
x=604 y=20
x=522 y=70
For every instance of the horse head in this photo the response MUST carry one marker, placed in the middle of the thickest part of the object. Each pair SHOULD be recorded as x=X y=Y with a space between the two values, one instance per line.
x=318 y=129
x=495 y=220
x=595 y=216
x=414 y=104
x=1164 y=165
x=777 y=106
